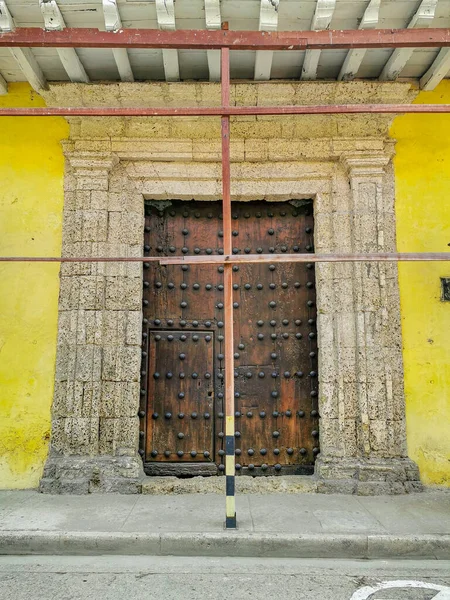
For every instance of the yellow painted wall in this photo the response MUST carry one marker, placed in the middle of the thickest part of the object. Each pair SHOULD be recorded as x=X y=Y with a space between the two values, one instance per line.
x=31 y=202
x=422 y=175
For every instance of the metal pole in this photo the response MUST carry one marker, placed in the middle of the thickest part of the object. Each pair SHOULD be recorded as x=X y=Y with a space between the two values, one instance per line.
x=211 y=111
x=192 y=39
x=247 y=258
x=230 y=520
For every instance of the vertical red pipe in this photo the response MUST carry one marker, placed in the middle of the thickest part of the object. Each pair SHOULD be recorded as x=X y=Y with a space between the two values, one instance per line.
x=230 y=521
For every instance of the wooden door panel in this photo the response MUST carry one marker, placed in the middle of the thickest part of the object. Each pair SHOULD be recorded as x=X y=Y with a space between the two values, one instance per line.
x=181 y=394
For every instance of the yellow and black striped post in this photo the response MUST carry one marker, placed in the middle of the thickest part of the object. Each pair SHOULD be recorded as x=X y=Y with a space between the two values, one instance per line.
x=230 y=521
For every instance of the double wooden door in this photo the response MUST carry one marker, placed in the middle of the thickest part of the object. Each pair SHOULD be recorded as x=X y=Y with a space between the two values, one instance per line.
x=275 y=344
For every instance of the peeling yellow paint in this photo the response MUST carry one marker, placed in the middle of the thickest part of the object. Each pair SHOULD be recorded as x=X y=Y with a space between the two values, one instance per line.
x=422 y=179
x=31 y=201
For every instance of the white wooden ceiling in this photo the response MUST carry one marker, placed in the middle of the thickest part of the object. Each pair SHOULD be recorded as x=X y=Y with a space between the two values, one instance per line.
x=41 y=65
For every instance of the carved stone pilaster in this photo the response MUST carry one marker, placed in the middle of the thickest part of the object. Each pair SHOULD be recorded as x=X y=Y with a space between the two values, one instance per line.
x=94 y=437
x=363 y=415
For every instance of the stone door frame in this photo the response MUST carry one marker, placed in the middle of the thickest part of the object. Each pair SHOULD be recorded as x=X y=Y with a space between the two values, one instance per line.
x=95 y=423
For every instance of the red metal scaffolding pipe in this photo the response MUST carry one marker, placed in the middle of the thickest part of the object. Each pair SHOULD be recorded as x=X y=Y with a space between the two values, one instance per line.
x=222 y=111
x=230 y=514
x=203 y=39
x=247 y=258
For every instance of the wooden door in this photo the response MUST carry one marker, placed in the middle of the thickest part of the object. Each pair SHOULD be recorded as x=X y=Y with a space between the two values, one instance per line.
x=274 y=337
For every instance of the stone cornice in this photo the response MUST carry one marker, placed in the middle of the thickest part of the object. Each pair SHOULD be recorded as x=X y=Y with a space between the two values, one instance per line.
x=79 y=150
x=98 y=161
x=278 y=93
x=365 y=163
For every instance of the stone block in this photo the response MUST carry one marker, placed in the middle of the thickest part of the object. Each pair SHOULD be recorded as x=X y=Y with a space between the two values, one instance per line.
x=147 y=127
x=70 y=182
x=100 y=474
x=65 y=362
x=256 y=150
x=72 y=226
x=337 y=486
x=86 y=292
x=121 y=364
x=75 y=435
x=92 y=182
x=119 y=399
x=379 y=488
x=350 y=434
x=88 y=362
x=102 y=127
x=91 y=145
x=67 y=324
x=91 y=322
x=258 y=129
x=330 y=437
x=344 y=321
x=117 y=435
x=63 y=398
x=99 y=201
x=329 y=400
x=134 y=328
x=363 y=125
x=76 y=399
x=379 y=437
x=342 y=232
x=114 y=328
x=94 y=225
x=188 y=128
x=377 y=399
x=123 y=293
x=125 y=227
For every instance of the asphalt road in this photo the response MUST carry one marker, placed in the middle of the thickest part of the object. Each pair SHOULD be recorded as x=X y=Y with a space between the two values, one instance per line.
x=167 y=578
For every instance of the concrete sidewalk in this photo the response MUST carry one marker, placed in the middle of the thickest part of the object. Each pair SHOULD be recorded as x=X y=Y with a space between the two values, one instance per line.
x=294 y=525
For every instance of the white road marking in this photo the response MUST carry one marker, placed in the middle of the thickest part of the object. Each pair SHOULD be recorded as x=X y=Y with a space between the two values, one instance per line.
x=366 y=592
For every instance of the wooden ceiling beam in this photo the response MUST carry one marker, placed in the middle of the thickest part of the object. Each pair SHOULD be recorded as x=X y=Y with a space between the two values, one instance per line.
x=321 y=21
x=113 y=23
x=23 y=56
x=3 y=85
x=268 y=21
x=54 y=21
x=398 y=59
x=355 y=56
x=437 y=71
x=213 y=22
x=165 y=14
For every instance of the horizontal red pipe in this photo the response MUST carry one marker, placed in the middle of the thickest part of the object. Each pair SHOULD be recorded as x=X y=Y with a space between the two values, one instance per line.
x=235 y=40
x=223 y=110
x=290 y=258
x=247 y=258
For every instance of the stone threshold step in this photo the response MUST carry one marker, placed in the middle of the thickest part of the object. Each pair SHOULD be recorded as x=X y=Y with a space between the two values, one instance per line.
x=289 y=484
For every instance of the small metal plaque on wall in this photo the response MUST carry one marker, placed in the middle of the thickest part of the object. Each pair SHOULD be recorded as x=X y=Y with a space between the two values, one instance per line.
x=445 y=289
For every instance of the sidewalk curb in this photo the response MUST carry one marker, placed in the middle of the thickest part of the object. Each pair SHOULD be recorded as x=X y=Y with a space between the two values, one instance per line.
x=356 y=546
